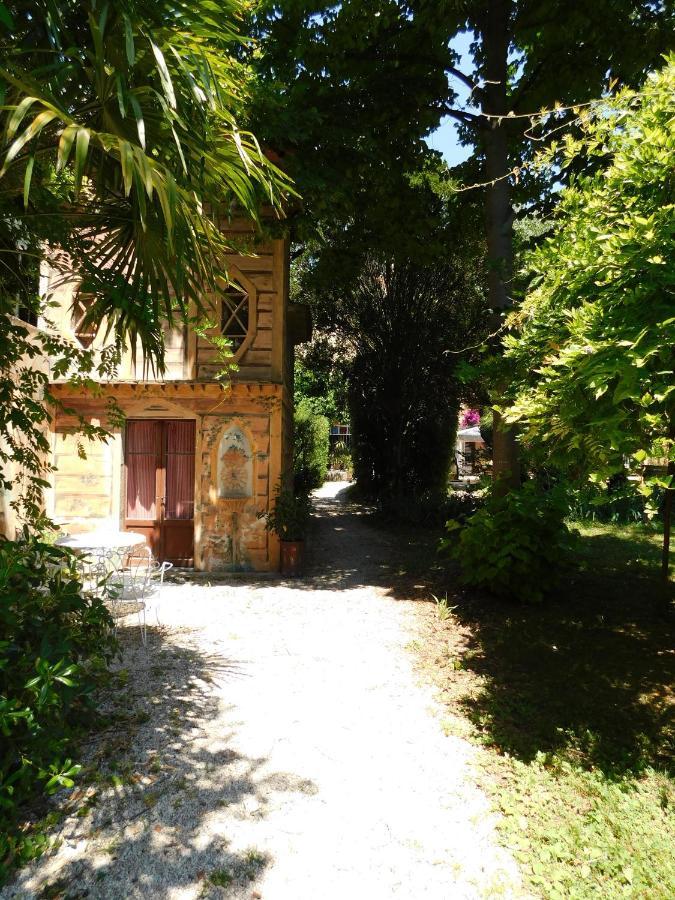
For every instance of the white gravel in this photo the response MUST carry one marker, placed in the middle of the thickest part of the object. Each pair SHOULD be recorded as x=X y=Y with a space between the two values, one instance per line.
x=277 y=745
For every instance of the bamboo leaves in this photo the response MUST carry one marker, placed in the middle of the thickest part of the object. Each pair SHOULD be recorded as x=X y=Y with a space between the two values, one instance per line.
x=164 y=75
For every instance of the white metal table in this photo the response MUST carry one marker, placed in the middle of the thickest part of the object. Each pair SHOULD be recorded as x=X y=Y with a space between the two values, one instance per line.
x=102 y=553
x=104 y=564
x=101 y=542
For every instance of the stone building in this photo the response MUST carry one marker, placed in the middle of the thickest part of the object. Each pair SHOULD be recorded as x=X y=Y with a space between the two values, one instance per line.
x=197 y=458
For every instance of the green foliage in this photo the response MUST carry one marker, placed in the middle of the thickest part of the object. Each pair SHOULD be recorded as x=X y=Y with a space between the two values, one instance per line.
x=592 y=342
x=341 y=458
x=139 y=102
x=289 y=517
x=310 y=448
x=614 y=839
x=619 y=503
x=319 y=378
x=344 y=92
x=461 y=505
x=54 y=638
x=485 y=427
x=517 y=545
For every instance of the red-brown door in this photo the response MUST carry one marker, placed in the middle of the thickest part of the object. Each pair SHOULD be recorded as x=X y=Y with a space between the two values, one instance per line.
x=160 y=472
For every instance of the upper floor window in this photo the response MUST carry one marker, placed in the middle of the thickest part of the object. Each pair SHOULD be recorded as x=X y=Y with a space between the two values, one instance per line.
x=235 y=315
x=85 y=333
x=27 y=314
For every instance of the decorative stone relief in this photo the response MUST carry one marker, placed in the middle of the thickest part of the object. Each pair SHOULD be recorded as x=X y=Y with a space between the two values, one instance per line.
x=232 y=535
x=235 y=465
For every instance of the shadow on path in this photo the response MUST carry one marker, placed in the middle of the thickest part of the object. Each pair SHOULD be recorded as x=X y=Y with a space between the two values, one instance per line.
x=588 y=674
x=157 y=805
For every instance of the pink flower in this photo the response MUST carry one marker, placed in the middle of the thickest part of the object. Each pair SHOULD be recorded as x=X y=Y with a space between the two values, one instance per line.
x=469 y=418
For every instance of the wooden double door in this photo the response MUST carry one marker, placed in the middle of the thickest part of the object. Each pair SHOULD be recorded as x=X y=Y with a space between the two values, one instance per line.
x=159 y=460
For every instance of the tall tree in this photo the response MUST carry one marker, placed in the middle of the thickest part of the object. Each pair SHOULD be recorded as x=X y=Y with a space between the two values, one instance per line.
x=528 y=55
x=399 y=322
x=346 y=93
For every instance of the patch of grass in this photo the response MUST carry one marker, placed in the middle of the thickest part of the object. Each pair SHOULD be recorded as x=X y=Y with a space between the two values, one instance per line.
x=620 y=548
x=443 y=608
x=221 y=877
x=241 y=871
x=580 y=834
x=252 y=863
x=573 y=701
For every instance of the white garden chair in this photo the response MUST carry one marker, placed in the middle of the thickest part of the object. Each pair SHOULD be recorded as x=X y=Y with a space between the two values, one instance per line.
x=155 y=583
x=128 y=586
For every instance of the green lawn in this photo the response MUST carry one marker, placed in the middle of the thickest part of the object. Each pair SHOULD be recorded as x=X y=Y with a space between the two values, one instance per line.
x=573 y=700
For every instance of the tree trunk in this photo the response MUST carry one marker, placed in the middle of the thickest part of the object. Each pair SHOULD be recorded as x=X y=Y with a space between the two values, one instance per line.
x=667 y=519
x=505 y=457
x=495 y=28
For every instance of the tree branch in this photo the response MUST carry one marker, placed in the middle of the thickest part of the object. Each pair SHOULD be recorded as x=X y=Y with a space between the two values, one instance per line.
x=468 y=82
x=466 y=118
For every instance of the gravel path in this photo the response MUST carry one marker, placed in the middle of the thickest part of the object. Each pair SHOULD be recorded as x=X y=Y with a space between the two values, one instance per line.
x=274 y=743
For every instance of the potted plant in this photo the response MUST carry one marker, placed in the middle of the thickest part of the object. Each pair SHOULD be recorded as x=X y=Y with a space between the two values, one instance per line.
x=288 y=519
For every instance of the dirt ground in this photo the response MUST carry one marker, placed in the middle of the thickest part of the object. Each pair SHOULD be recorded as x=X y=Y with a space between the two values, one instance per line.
x=273 y=741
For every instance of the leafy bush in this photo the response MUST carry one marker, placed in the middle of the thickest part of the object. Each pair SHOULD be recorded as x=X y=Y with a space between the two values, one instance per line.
x=289 y=516
x=310 y=448
x=515 y=546
x=461 y=505
x=340 y=457
x=615 y=504
x=54 y=638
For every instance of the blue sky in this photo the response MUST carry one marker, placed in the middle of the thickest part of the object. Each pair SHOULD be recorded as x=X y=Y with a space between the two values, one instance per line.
x=444 y=139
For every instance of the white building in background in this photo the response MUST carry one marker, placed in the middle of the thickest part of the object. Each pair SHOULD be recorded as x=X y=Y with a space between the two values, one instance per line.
x=470 y=445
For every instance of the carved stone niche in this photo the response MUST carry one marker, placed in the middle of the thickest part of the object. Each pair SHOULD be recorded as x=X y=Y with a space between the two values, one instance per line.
x=234 y=473
x=235 y=477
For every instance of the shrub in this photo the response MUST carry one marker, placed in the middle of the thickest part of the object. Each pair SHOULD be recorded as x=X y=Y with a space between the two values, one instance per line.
x=616 y=504
x=54 y=638
x=310 y=448
x=461 y=505
x=289 y=517
x=341 y=458
x=515 y=546
x=428 y=509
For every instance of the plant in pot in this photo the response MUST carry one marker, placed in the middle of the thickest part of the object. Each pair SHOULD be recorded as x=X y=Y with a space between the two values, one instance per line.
x=288 y=519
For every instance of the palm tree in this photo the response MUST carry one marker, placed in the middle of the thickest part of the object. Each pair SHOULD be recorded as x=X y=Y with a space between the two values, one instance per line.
x=120 y=148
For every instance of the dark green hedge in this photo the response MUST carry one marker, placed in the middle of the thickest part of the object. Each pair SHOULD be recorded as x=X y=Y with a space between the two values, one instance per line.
x=310 y=448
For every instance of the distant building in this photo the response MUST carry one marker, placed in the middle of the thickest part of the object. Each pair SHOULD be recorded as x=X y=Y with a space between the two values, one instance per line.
x=470 y=447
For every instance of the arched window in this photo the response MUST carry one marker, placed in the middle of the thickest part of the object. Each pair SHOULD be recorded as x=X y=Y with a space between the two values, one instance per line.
x=235 y=315
x=84 y=333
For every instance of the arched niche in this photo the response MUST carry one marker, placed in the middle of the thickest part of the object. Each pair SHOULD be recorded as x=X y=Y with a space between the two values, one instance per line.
x=235 y=465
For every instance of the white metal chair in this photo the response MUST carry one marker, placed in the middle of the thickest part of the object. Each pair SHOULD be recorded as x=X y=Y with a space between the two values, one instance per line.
x=128 y=585
x=155 y=583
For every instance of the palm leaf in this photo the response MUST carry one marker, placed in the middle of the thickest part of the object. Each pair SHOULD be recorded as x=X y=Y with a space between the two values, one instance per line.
x=145 y=93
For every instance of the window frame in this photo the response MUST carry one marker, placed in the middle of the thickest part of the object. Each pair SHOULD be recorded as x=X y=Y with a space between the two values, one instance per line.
x=74 y=325
x=238 y=280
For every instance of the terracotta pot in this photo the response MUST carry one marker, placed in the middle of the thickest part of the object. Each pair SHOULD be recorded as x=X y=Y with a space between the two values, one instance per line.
x=292 y=553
